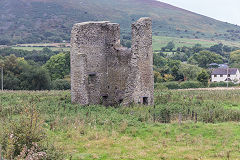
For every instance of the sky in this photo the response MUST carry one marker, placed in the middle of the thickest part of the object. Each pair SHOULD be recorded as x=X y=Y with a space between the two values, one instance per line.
x=223 y=10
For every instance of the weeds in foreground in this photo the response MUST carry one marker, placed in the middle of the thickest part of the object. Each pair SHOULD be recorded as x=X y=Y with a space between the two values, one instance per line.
x=24 y=137
x=136 y=132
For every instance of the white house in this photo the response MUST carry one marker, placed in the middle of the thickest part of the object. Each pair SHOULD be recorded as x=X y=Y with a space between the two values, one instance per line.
x=225 y=74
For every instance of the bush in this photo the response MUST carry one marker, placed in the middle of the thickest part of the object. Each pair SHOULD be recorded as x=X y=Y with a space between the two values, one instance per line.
x=161 y=113
x=222 y=84
x=25 y=138
x=191 y=84
x=160 y=86
x=61 y=84
x=171 y=85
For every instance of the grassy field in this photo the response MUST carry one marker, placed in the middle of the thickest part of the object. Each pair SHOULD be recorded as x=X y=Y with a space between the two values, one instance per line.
x=161 y=41
x=40 y=48
x=158 y=43
x=182 y=125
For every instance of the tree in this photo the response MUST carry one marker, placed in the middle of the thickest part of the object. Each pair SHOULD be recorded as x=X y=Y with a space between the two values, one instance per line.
x=175 y=72
x=157 y=77
x=35 y=79
x=190 y=72
x=18 y=74
x=203 y=78
x=168 y=77
x=203 y=58
x=170 y=46
x=197 y=48
x=58 y=65
x=218 y=48
x=235 y=59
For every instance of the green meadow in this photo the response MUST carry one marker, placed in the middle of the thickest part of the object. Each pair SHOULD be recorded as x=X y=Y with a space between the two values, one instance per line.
x=181 y=125
x=158 y=43
x=41 y=48
x=161 y=41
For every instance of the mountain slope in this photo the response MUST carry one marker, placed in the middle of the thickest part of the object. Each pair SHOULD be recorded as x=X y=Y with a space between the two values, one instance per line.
x=31 y=21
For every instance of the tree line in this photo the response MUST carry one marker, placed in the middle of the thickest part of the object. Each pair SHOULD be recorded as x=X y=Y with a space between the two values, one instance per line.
x=47 y=69
x=35 y=70
x=191 y=63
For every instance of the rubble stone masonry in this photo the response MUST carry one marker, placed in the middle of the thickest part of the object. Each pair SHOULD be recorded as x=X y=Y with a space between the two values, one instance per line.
x=103 y=72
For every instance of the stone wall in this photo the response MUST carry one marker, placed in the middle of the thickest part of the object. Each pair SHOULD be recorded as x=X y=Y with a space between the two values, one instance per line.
x=140 y=86
x=104 y=72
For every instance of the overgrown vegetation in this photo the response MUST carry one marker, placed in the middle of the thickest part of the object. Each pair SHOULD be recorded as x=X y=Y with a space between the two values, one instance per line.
x=202 y=124
x=191 y=63
x=47 y=69
x=35 y=70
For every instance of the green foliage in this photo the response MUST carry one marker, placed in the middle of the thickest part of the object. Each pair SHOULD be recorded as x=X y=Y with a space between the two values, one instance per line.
x=181 y=56
x=20 y=75
x=23 y=137
x=98 y=132
x=172 y=85
x=218 y=48
x=170 y=46
x=35 y=79
x=58 y=65
x=235 y=59
x=204 y=58
x=157 y=77
x=222 y=84
x=189 y=71
x=160 y=86
x=203 y=77
x=61 y=84
x=191 y=84
x=39 y=57
x=182 y=85
x=175 y=72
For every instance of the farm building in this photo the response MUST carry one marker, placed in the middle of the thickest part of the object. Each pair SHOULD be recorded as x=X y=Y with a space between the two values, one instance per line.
x=225 y=75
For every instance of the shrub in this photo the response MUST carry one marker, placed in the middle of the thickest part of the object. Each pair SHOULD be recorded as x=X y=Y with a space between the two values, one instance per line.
x=191 y=84
x=203 y=78
x=163 y=114
x=61 y=84
x=171 y=85
x=25 y=137
x=222 y=84
x=160 y=86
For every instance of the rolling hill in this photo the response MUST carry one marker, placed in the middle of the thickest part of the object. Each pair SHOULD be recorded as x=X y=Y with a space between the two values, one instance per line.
x=33 y=21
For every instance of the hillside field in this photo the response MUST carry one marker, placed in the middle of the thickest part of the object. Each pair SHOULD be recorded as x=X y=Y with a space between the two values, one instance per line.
x=41 y=48
x=183 y=125
x=158 y=43
x=162 y=41
x=50 y=21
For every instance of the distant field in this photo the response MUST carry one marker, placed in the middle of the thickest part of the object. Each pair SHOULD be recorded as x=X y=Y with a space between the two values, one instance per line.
x=137 y=132
x=161 y=41
x=158 y=43
x=40 y=48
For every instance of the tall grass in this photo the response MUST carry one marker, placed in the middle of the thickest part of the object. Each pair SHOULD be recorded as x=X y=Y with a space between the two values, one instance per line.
x=99 y=132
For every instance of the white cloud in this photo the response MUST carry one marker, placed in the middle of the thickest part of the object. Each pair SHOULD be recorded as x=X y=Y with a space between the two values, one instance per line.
x=224 y=10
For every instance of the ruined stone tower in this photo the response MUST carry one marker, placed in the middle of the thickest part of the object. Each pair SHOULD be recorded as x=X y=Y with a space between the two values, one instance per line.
x=104 y=72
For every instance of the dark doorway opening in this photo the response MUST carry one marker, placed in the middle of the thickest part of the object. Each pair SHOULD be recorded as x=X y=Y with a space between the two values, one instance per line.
x=145 y=100
x=91 y=77
x=105 y=96
x=120 y=101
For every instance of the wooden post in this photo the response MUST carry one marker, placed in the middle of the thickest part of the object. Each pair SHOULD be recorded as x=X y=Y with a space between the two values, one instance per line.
x=0 y=152
x=2 y=78
x=196 y=118
x=154 y=114
x=180 y=118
